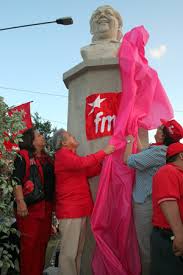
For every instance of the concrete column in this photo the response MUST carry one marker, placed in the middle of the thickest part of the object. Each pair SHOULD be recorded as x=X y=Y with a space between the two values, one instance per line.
x=92 y=76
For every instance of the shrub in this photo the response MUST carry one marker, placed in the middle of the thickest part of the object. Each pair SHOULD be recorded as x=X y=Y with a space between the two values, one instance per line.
x=9 y=138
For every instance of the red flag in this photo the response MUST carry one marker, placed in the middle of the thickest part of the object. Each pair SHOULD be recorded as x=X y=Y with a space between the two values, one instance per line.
x=10 y=146
x=26 y=118
x=100 y=114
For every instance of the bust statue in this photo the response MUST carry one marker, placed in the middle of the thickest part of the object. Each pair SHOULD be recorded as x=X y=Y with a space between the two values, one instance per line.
x=105 y=26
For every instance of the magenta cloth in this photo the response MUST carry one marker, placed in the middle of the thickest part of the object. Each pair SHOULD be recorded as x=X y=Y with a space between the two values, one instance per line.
x=143 y=103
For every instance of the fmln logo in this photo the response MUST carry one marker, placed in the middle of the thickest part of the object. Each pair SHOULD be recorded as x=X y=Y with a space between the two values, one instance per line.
x=101 y=111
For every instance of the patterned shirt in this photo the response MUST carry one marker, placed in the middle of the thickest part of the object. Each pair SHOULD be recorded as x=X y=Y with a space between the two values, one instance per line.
x=146 y=163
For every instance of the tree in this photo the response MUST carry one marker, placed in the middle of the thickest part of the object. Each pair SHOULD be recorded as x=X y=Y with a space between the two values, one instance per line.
x=45 y=128
x=10 y=125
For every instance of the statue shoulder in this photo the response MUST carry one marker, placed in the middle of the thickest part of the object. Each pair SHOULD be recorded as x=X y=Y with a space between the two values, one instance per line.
x=100 y=50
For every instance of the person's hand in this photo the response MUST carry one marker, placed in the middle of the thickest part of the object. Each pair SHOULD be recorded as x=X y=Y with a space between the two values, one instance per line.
x=130 y=139
x=55 y=224
x=109 y=149
x=178 y=245
x=54 y=229
x=22 y=208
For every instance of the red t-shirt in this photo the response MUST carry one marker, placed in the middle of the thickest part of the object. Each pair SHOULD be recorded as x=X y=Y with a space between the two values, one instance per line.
x=73 y=197
x=167 y=185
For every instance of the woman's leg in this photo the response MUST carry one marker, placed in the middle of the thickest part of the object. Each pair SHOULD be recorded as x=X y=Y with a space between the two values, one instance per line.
x=29 y=232
x=33 y=242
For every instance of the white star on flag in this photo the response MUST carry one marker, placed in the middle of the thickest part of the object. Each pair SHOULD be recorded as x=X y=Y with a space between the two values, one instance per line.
x=96 y=103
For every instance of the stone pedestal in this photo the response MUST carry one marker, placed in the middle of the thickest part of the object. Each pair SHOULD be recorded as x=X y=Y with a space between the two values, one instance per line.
x=96 y=76
x=92 y=76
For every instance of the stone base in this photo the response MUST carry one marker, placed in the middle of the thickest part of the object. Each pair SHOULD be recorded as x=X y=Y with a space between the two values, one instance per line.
x=94 y=76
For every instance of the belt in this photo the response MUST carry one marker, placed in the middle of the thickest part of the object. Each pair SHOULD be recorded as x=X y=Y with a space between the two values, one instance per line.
x=165 y=232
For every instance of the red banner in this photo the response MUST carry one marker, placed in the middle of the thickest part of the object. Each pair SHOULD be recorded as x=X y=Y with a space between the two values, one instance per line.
x=26 y=116
x=100 y=114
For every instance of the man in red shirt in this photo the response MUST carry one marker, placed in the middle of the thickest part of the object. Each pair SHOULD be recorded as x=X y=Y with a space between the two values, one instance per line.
x=73 y=198
x=167 y=235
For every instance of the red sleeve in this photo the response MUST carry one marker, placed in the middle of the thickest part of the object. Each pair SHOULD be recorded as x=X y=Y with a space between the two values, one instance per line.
x=93 y=171
x=65 y=159
x=166 y=184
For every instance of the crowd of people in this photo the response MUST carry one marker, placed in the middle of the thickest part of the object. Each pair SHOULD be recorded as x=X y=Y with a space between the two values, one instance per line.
x=59 y=185
x=72 y=200
x=146 y=163
x=157 y=199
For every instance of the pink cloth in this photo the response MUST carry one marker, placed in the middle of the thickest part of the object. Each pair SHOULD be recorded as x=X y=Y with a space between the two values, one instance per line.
x=143 y=103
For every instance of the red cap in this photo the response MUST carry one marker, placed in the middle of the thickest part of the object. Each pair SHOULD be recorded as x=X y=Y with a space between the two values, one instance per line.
x=174 y=128
x=174 y=149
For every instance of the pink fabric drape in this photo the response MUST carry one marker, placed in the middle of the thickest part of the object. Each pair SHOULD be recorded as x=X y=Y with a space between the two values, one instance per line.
x=143 y=103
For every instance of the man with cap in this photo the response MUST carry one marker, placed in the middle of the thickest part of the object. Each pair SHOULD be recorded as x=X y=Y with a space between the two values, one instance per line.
x=167 y=234
x=146 y=162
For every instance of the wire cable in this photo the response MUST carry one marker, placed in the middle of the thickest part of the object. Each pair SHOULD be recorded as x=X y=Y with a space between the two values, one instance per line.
x=32 y=92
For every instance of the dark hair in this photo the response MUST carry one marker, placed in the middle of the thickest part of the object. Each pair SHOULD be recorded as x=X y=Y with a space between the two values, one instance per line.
x=167 y=140
x=28 y=138
x=172 y=158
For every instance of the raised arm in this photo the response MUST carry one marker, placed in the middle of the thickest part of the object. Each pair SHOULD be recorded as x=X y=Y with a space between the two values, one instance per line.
x=139 y=144
x=151 y=157
x=129 y=146
x=67 y=160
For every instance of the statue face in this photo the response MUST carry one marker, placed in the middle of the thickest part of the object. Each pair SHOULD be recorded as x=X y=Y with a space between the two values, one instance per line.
x=104 y=24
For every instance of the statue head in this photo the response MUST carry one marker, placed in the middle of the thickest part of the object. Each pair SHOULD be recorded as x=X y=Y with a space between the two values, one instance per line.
x=106 y=24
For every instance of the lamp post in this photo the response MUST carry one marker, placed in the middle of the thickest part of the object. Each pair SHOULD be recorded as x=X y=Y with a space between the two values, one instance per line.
x=60 y=21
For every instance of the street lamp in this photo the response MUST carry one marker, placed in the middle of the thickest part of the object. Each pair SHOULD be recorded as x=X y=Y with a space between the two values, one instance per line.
x=60 y=21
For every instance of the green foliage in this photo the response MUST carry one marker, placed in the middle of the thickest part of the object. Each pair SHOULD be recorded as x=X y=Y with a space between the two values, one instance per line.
x=9 y=136
x=45 y=128
x=10 y=125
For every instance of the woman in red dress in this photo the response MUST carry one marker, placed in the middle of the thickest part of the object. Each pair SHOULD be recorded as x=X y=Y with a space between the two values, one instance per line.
x=33 y=220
